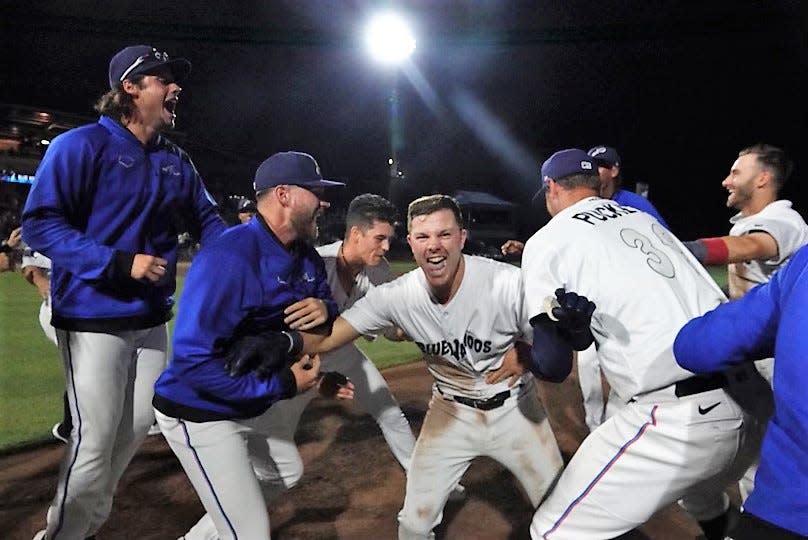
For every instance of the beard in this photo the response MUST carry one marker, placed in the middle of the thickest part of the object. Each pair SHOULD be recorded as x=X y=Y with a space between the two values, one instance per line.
x=305 y=227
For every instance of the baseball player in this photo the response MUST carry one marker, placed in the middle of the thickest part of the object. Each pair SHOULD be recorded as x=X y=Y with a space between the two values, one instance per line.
x=765 y=232
x=353 y=266
x=465 y=314
x=597 y=409
x=769 y=318
x=678 y=435
x=611 y=180
x=103 y=209
x=238 y=288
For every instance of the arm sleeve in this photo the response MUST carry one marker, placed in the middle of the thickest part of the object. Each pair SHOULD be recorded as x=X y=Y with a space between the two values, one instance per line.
x=550 y=354
x=541 y=275
x=787 y=234
x=216 y=298
x=58 y=202
x=371 y=314
x=739 y=331
x=323 y=288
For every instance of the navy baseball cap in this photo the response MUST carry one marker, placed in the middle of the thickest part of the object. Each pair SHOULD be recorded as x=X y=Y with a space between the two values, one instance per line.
x=141 y=60
x=293 y=168
x=605 y=156
x=565 y=163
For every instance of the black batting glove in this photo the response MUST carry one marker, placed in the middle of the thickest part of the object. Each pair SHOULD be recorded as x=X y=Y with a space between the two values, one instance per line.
x=573 y=316
x=264 y=353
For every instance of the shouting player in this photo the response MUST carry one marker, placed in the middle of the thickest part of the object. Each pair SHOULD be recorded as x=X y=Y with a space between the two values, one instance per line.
x=677 y=434
x=103 y=209
x=465 y=314
x=353 y=266
x=240 y=286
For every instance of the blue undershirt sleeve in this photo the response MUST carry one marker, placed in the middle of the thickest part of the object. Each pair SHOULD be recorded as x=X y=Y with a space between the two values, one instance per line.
x=551 y=354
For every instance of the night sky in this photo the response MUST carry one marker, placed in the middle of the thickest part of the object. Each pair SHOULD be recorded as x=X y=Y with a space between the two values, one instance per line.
x=678 y=87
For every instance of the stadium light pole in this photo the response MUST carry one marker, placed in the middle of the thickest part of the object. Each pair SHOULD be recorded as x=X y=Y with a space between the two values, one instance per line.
x=390 y=41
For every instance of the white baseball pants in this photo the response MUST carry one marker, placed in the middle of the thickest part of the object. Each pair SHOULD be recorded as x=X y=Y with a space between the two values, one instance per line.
x=110 y=384
x=270 y=438
x=517 y=435
x=653 y=452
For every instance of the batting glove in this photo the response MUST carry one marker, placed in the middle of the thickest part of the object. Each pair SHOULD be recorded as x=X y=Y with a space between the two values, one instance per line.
x=264 y=353
x=573 y=316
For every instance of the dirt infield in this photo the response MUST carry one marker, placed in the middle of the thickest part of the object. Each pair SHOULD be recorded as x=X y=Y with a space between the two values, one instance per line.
x=352 y=487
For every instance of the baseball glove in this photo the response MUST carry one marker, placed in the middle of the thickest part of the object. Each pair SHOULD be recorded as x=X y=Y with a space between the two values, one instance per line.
x=331 y=382
x=264 y=353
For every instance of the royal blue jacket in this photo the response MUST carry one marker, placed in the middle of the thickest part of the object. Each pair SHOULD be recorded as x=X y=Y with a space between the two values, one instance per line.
x=99 y=198
x=629 y=198
x=241 y=283
x=771 y=318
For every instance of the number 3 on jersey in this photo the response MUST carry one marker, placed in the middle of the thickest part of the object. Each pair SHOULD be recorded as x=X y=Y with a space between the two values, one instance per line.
x=656 y=259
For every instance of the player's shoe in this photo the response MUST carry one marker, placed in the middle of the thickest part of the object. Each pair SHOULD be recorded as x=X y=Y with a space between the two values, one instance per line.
x=59 y=431
x=154 y=429
x=458 y=493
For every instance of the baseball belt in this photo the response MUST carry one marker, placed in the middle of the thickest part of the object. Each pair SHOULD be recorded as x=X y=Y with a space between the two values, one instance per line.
x=488 y=404
x=699 y=384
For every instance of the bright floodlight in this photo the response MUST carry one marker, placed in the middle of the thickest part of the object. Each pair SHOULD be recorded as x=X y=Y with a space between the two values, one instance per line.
x=389 y=38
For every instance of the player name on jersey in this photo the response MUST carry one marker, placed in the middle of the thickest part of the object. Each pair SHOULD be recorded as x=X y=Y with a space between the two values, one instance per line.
x=456 y=348
x=604 y=212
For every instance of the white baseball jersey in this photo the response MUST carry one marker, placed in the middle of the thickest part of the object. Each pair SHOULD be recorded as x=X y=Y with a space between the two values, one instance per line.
x=788 y=229
x=655 y=286
x=645 y=285
x=462 y=340
x=370 y=276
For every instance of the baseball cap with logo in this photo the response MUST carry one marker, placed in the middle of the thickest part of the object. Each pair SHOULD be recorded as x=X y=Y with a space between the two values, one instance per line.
x=142 y=60
x=565 y=163
x=605 y=156
x=293 y=168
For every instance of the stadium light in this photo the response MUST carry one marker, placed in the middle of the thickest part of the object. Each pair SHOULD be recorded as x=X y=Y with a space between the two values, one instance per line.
x=389 y=38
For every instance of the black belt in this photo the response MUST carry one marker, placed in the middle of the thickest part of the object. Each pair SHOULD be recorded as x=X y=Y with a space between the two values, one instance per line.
x=483 y=404
x=701 y=383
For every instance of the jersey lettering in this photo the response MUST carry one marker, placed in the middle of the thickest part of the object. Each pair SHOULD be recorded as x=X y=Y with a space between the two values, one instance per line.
x=604 y=212
x=657 y=260
x=456 y=348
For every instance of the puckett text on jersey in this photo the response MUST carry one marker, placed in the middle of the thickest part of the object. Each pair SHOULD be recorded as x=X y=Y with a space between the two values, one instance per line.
x=456 y=348
x=604 y=212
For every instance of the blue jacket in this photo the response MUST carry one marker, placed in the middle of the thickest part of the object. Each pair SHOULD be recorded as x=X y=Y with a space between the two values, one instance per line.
x=241 y=283
x=629 y=198
x=100 y=197
x=770 y=318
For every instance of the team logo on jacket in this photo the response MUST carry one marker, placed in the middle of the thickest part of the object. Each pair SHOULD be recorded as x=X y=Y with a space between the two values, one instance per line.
x=126 y=161
x=170 y=169
x=456 y=348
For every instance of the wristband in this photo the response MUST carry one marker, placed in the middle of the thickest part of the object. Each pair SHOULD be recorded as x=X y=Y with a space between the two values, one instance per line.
x=295 y=342
x=717 y=251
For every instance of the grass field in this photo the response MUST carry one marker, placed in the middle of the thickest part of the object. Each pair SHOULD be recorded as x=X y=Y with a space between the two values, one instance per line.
x=31 y=377
x=31 y=380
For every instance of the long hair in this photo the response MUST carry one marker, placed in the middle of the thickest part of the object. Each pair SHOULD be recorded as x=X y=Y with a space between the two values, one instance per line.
x=117 y=103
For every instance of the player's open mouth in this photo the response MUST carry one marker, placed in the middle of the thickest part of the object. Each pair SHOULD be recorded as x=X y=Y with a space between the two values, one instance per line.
x=435 y=265
x=170 y=105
